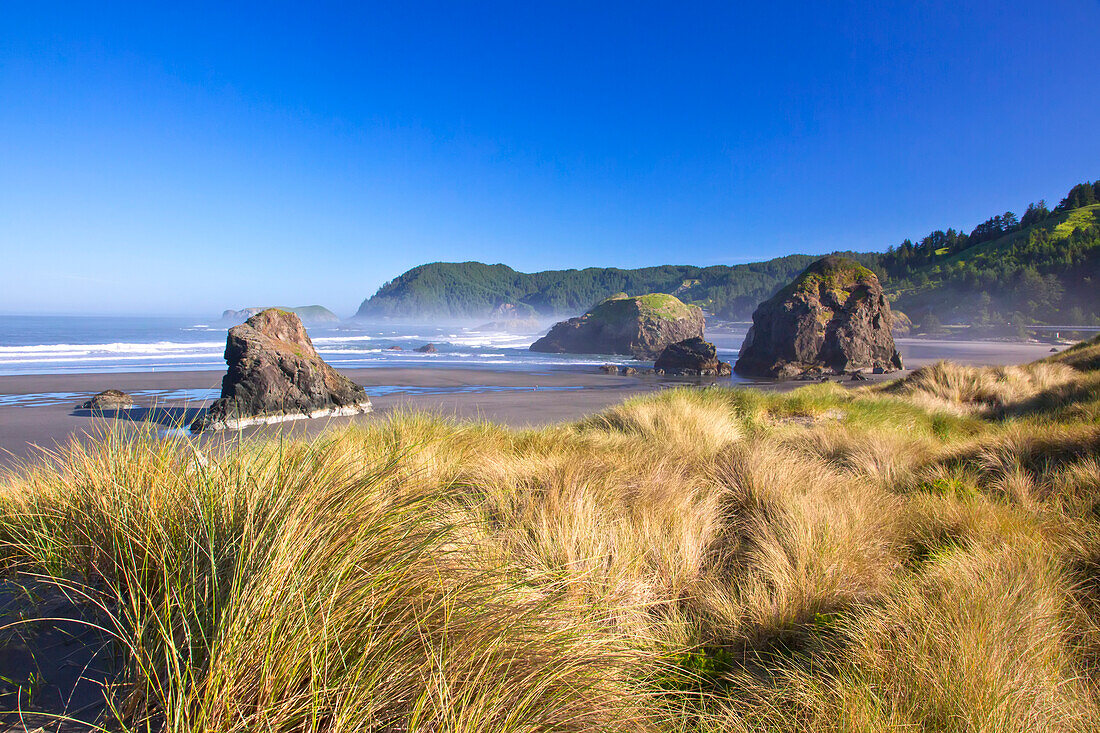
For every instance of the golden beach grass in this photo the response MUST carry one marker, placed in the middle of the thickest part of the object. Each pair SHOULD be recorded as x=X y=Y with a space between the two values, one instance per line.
x=920 y=556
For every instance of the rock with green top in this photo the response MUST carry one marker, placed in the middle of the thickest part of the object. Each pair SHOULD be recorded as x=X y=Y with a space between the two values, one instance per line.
x=832 y=317
x=641 y=326
x=275 y=375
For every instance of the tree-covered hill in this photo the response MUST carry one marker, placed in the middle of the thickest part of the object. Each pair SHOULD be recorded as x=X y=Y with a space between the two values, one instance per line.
x=474 y=289
x=1043 y=267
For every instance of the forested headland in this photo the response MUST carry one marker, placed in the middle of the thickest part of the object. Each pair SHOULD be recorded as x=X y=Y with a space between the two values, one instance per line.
x=1009 y=272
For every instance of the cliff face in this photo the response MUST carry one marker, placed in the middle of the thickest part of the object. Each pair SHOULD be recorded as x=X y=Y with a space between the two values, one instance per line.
x=641 y=326
x=834 y=317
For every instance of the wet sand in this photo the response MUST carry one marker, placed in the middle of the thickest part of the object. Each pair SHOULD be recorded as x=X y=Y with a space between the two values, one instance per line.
x=44 y=414
x=38 y=410
x=919 y=352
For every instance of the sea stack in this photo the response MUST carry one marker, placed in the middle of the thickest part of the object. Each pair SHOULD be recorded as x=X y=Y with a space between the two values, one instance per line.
x=833 y=317
x=692 y=357
x=641 y=326
x=275 y=375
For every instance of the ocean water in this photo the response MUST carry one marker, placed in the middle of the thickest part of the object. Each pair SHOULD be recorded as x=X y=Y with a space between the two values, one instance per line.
x=67 y=344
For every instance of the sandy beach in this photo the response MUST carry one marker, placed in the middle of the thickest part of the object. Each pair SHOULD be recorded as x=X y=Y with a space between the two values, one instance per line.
x=39 y=410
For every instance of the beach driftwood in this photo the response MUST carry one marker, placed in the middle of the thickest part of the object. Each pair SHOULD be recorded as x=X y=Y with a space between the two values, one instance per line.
x=276 y=375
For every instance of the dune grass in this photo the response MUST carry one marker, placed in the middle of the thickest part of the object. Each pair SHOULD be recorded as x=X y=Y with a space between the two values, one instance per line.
x=982 y=390
x=920 y=556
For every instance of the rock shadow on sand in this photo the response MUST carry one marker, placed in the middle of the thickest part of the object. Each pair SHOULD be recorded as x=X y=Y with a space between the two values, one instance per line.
x=167 y=417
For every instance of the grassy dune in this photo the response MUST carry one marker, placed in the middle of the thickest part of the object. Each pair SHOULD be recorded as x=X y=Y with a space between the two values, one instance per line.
x=923 y=555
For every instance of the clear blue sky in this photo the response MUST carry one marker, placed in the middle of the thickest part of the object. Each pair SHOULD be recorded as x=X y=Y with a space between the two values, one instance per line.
x=188 y=159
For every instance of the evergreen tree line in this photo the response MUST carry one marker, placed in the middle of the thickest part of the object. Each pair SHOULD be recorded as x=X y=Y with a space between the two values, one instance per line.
x=900 y=260
x=474 y=289
x=1042 y=269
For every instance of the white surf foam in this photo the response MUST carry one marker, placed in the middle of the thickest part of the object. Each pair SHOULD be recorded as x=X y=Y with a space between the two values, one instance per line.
x=159 y=347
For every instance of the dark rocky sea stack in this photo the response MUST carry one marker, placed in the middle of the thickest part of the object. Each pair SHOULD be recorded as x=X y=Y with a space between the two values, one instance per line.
x=641 y=326
x=833 y=317
x=108 y=399
x=275 y=375
x=694 y=357
x=427 y=349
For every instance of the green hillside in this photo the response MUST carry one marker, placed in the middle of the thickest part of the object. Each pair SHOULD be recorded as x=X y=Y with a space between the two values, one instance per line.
x=1043 y=272
x=1041 y=268
x=474 y=289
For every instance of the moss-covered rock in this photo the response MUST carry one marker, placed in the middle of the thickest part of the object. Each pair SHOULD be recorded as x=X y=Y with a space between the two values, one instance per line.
x=641 y=326
x=834 y=316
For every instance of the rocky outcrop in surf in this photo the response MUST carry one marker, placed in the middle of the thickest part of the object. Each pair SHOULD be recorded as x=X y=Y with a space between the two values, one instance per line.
x=692 y=357
x=640 y=326
x=275 y=375
x=833 y=317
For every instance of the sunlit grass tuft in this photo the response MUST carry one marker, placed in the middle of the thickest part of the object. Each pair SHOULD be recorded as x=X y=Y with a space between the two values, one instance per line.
x=980 y=390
